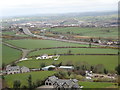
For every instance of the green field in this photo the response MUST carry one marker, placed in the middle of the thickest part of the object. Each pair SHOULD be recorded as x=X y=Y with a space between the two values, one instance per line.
x=31 y=44
x=94 y=32
x=9 y=54
x=97 y=84
x=40 y=75
x=8 y=32
x=110 y=62
x=75 y=51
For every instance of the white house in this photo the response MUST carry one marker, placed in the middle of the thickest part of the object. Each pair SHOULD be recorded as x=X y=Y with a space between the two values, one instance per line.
x=47 y=67
x=25 y=69
x=89 y=75
x=66 y=67
x=45 y=56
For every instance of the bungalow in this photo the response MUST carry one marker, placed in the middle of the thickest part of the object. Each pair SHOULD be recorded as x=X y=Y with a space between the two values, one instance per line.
x=47 y=67
x=61 y=83
x=66 y=67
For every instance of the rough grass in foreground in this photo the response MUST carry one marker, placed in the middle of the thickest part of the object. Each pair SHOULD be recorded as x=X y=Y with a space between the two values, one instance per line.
x=39 y=75
x=97 y=84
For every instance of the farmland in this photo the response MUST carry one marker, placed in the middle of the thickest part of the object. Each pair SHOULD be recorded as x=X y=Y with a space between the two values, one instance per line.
x=23 y=77
x=93 y=60
x=31 y=44
x=94 y=32
x=9 y=54
x=75 y=51
x=97 y=84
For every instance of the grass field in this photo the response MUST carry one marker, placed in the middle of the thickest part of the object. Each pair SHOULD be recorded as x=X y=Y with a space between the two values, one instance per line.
x=9 y=54
x=94 y=32
x=110 y=62
x=39 y=75
x=97 y=84
x=75 y=51
x=31 y=44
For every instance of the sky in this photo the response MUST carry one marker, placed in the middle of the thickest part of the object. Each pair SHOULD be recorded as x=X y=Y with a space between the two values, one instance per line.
x=32 y=7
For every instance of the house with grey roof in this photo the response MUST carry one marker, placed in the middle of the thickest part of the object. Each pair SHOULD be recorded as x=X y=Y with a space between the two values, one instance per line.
x=25 y=69
x=16 y=69
x=61 y=83
x=12 y=69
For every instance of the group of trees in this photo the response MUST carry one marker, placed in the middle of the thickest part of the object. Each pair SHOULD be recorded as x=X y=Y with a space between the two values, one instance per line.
x=30 y=84
x=82 y=67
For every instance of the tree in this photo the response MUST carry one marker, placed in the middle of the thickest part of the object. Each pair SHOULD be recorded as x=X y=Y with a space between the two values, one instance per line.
x=60 y=64
x=105 y=71
x=42 y=65
x=89 y=44
x=29 y=80
x=69 y=73
x=118 y=69
x=16 y=84
x=99 y=68
x=69 y=51
x=3 y=66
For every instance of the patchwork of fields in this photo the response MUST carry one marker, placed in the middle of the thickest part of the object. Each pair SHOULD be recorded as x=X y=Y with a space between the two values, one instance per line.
x=94 y=32
x=92 y=60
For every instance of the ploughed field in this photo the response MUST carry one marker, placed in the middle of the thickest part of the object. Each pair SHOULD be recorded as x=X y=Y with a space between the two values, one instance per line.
x=109 y=62
x=39 y=75
x=10 y=54
x=94 y=31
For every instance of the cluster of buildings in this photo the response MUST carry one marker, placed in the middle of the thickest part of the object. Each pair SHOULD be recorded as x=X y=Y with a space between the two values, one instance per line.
x=62 y=83
x=16 y=69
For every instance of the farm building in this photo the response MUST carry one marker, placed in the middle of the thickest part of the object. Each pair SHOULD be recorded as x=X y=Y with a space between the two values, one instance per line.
x=61 y=83
x=66 y=67
x=47 y=67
